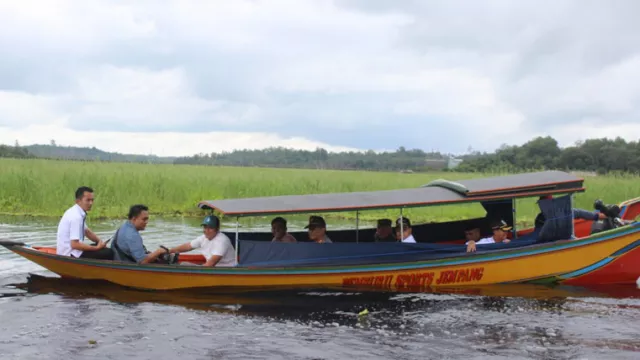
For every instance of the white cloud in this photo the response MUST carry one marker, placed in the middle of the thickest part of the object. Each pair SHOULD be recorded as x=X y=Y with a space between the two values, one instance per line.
x=337 y=73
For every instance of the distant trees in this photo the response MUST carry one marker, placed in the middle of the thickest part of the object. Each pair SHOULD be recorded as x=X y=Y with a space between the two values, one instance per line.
x=14 y=152
x=321 y=159
x=598 y=155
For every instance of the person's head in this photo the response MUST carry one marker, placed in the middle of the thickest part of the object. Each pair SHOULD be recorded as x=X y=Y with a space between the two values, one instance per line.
x=384 y=228
x=279 y=227
x=500 y=229
x=84 y=197
x=472 y=232
x=406 y=228
x=210 y=226
x=317 y=228
x=139 y=216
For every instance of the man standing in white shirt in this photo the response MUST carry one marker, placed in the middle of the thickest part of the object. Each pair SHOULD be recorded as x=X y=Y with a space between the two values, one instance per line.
x=500 y=231
x=215 y=246
x=72 y=230
x=406 y=236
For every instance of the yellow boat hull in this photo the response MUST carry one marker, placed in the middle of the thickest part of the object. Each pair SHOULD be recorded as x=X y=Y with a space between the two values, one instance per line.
x=546 y=262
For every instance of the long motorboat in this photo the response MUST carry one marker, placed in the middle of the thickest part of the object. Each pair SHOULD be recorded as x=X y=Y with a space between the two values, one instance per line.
x=563 y=250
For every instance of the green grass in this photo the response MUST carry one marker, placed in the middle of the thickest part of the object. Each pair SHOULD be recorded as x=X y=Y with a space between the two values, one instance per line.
x=46 y=188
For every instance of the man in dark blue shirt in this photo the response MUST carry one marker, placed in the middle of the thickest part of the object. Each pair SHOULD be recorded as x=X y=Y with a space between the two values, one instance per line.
x=127 y=243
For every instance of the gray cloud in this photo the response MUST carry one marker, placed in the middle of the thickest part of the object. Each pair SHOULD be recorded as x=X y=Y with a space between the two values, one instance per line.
x=366 y=74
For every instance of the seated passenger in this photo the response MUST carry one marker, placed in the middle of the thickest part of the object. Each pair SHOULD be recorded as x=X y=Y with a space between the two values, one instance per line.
x=127 y=242
x=72 y=230
x=279 y=231
x=318 y=230
x=472 y=233
x=214 y=245
x=384 y=231
x=406 y=236
x=500 y=229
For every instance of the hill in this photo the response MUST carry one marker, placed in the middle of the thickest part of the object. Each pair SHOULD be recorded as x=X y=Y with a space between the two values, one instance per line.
x=92 y=154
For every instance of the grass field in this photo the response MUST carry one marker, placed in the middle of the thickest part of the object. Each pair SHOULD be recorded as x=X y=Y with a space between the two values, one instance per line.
x=46 y=187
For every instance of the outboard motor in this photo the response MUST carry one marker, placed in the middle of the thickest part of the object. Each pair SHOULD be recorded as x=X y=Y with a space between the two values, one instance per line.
x=612 y=212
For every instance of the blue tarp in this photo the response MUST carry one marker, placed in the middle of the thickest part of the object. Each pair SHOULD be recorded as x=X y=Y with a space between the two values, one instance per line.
x=558 y=215
x=265 y=254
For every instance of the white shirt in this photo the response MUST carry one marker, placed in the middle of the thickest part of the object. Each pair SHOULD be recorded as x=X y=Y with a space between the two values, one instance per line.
x=409 y=239
x=71 y=227
x=220 y=245
x=487 y=240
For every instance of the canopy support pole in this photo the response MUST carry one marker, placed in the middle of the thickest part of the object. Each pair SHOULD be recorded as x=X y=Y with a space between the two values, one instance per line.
x=357 y=225
x=573 y=226
x=237 y=236
x=401 y=225
x=513 y=219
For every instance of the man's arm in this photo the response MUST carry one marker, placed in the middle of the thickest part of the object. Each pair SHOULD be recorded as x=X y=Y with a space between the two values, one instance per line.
x=78 y=245
x=152 y=256
x=218 y=251
x=75 y=233
x=181 y=248
x=91 y=235
x=213 y=260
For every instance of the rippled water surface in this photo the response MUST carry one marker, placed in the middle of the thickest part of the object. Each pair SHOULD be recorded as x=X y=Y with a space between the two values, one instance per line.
x=43 y=317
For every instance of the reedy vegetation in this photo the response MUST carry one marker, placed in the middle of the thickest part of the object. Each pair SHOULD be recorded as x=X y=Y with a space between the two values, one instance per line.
x=45 y=188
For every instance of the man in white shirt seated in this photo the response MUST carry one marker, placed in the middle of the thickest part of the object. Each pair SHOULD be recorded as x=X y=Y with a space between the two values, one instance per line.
x=215 y=246
x=406 y=236
x=72 y=230
x=500 y=231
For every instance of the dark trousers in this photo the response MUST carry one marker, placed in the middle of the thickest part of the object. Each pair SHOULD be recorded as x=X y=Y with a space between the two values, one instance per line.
x=102 y=254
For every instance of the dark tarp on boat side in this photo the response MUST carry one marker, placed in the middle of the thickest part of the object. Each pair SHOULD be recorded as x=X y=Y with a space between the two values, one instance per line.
x=558 y=224
x=275 y=254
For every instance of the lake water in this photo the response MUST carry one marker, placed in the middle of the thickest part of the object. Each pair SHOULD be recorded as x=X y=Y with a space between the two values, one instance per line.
x=43 y=317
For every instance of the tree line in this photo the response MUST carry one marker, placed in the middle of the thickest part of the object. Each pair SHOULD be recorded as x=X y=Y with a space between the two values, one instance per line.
x=595 y=155
x=402 y=159
x=14 y=152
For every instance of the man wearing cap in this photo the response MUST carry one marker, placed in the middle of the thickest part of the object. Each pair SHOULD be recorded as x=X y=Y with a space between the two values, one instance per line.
x=405 y=235
x=318 y=230
x=384 y=231
x=500 y=229
x=214 y=245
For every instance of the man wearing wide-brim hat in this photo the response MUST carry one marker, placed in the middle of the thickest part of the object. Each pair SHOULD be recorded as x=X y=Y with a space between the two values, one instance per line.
x=500 y=230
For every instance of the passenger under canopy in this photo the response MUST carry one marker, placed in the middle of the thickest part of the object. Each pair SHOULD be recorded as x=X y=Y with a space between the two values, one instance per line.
x=435 y=240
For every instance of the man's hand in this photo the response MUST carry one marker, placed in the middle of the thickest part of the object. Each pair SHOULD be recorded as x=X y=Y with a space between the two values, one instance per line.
x=101 y=245
x=471 y=246
x=506 y=241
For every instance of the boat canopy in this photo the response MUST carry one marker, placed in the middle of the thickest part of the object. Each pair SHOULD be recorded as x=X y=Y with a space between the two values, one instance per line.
x=437 y=192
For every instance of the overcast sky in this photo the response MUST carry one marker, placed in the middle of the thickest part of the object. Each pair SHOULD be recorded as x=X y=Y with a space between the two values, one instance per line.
x=201 y=76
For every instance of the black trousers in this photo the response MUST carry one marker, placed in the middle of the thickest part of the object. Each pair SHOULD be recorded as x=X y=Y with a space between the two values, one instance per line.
x=102 y=254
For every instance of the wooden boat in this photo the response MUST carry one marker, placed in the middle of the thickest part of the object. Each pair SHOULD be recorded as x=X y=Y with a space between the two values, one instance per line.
x=570 y=254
